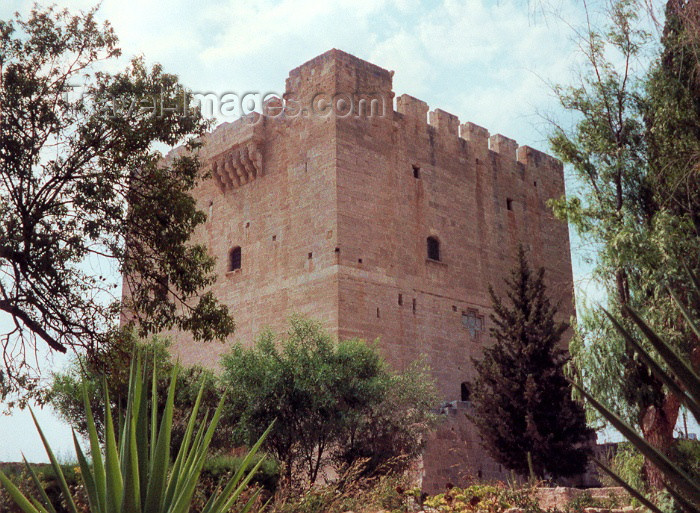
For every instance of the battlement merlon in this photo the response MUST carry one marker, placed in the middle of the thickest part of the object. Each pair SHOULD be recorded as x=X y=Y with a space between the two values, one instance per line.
x=412 y=108
x=531 y=157
x=444 y=122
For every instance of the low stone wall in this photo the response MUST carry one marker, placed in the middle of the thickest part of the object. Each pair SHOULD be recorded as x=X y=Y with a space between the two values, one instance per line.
x=454 y=456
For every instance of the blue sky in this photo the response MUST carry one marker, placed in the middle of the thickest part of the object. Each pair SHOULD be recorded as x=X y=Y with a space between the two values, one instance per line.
x=489 y=62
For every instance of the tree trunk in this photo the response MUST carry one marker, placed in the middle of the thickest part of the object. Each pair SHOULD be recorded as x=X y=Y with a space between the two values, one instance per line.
x=657 y=427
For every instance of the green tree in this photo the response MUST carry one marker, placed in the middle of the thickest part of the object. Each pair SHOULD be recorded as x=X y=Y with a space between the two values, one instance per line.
x=111 y=368
x=326 y=397
x=522 y=400
x=79 y=177
x=390 y=434
x=634 y=151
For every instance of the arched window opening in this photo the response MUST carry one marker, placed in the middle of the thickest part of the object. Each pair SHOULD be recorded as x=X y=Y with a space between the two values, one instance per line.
x=464 y=391
x=234 y=259
x=433 y=248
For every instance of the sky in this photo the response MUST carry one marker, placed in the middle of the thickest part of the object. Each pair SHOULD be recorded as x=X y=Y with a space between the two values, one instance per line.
x=489 y=62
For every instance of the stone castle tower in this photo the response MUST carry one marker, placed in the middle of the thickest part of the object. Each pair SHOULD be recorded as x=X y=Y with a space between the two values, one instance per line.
x=381 y=223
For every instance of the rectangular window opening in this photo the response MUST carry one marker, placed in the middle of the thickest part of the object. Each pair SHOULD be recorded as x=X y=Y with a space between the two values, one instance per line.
x=509 y=204
x=414 y=305
x=400 y=299
x=416 y=172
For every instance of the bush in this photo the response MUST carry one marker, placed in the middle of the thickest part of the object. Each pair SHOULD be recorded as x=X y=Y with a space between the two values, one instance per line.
x=20 y=477
x=353 y=491
x=135 y=472
x=266 y=476
x=687 y=454
x=628 y=463
x=335 y=403
x=66 y=394
x=218 y=469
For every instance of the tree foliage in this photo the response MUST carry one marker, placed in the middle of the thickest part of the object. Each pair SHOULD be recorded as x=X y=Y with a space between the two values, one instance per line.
x=111 y=368
x=83 y=193
x=335 y=402
x=522 y=401
x=634 y=150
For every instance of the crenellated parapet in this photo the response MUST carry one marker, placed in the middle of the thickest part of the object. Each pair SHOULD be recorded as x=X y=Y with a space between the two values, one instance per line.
x=340 y=86
x=416 y=112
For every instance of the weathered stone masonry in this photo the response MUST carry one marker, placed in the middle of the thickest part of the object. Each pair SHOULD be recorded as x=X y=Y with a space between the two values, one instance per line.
x=331 y=215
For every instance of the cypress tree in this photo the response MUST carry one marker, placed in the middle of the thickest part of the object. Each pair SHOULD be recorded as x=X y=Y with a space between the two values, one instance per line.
x=522 y=401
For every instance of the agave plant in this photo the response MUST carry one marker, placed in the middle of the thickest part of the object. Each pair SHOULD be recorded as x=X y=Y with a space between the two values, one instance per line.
x=135 y=474
x=683 y=382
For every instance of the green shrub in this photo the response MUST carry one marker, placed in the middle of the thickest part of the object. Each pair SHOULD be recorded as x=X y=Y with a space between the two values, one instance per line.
x=484 y=498
x=18 y=474
x=66 y=394
x=353 y=491
x=687 y=454
x=628 y=463
x=135 y=471
x=335 y=402
x=20 y=478
x=581 y=501
x=266 y=476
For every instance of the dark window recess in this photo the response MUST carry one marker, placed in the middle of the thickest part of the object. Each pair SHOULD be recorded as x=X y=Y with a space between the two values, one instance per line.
x=311 y=255
x=454 y=308
x=433 y=248
x=400 y=299
x=509 y=204
x=274 y=238
x=479 y=474
x=234 y=259
x=377 y=312
x=534 y=183
x=416 y=172
x=414 y=305
x=464 y=391
x=359 y=260
x=337 y=250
